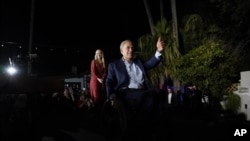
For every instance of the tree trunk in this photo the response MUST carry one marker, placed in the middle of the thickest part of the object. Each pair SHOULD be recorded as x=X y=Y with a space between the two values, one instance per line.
x=162 y=9
x=176 y=83
x=175 y=24
x=150 y=19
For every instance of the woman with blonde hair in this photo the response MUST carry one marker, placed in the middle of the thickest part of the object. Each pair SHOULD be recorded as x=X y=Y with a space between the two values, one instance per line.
x=98 y=75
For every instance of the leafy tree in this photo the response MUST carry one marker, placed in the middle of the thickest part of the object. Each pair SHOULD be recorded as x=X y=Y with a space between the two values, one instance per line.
x=206 y=56
x=233 y=17
x=208 y=60
x=195 y=29
x=209 y=66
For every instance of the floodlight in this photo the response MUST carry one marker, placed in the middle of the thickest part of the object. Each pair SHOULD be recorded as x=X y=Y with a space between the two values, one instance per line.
x=11 y=70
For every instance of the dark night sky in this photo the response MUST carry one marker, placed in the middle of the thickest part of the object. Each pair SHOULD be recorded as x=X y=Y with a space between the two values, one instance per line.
x=74 y=22
x=74 y=28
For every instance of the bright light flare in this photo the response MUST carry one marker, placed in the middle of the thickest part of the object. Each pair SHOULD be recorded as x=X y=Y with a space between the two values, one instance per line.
x=11 y=70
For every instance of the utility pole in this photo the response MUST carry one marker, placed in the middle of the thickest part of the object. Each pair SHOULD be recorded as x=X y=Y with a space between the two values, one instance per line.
x=32 y=11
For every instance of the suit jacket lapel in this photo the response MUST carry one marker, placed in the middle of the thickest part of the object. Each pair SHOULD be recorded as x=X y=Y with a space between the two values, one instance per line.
x=123 y=71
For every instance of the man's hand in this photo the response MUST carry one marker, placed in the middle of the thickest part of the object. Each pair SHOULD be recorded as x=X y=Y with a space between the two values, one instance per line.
x=160 y=45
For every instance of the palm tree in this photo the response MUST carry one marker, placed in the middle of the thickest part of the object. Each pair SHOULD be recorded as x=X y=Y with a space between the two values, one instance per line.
x=146 y=46
x=165 y=30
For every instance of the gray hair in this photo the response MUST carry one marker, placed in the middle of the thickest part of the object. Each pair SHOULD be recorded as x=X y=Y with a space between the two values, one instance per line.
x=124 y=42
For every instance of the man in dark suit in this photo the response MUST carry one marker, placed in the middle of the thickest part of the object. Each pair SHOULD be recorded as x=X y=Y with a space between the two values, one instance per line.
x=127 y=79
